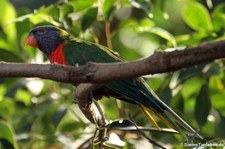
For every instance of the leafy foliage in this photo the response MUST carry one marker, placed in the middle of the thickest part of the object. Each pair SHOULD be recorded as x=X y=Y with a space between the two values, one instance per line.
x=37 y=113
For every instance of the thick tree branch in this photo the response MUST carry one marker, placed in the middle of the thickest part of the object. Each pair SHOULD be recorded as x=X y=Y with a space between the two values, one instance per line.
x=100 y=73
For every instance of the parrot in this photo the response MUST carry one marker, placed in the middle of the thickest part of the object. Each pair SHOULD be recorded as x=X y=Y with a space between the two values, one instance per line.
x=63 y=48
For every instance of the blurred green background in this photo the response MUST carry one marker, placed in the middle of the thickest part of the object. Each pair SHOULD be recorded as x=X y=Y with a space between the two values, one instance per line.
x=36 y=113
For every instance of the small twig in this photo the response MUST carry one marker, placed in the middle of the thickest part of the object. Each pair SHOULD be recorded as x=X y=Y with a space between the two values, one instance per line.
x=108 y=34
x=143 y=134
x=162 y=130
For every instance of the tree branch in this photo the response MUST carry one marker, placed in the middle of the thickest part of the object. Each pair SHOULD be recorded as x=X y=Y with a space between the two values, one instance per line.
x=159 y=62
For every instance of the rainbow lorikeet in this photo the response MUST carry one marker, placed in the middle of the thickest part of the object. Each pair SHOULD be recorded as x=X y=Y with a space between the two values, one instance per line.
x=62 y=48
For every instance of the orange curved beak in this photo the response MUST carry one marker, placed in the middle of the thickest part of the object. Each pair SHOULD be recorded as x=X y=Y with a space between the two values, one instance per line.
x=31 y=41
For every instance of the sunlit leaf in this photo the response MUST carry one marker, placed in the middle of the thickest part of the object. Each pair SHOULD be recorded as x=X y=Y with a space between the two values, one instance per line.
x=218 y=17
x=81 y=4
x=8 y=14
x=5 y=111
x=41 y=15
x=145 y=24
x=197 y=17
x=191 y=87
x=7 y=139
x=217 y=93
x=23 y=96
x=162 y=33
x=219 y=9
x=218 y=22
x=108 y=9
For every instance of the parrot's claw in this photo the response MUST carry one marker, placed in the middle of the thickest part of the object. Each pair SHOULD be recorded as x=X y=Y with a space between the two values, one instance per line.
x=90 y=97
x=87 y=105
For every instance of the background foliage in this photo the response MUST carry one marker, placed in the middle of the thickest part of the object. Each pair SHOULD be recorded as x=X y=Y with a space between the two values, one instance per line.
x=37 y=113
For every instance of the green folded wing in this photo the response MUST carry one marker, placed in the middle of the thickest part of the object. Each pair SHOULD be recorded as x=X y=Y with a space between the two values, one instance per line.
x=79 y=52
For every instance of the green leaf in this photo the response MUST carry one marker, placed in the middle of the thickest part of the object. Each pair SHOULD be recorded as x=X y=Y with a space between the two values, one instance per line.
x=111 y=107
x=164 y=34
x=178 y=103
x=220 y=9
x=218 y=22
x=43 y=14
x=88 y=18
x=217 y=93
x=7 y=136
x=166 y=95
x=218 y=18
x=108 y=9
x=191 y=87
x=220 y=127
x=187 y=73
x=9 y=56
x=8 y=14
x=202 y=105
x=142 y=4
x=65 y=10
x=54 y=11
x=81 y=4
x=58 y=115
x=211 y=69
x=24 y=97
x=5 y=111
x=197 y=17
x=22 y=24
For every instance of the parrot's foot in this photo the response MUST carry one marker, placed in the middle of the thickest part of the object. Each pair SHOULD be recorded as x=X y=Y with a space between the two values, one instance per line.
x=87 y=105
x=89 y=99
x=88 y=102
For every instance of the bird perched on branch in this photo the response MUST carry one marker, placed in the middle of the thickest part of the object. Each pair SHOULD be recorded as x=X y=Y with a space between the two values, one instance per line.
x=62 y=48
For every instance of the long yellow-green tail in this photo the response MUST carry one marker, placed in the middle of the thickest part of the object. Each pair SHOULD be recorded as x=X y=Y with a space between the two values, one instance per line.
x=171 y=119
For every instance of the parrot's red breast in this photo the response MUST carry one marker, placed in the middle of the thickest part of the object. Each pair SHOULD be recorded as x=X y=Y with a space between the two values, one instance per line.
x=57 y=56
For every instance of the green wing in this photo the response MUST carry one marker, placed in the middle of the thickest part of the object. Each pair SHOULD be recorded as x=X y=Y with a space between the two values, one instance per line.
x=81 y=52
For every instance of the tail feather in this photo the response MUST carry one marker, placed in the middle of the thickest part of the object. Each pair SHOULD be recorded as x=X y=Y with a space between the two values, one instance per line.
x=150 y=117
x=178 y=123
x=170 y=122
x=169 y=112
x=164 y=117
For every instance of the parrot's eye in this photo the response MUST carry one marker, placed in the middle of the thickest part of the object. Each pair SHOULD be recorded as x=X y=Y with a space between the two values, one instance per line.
x=41 y=31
